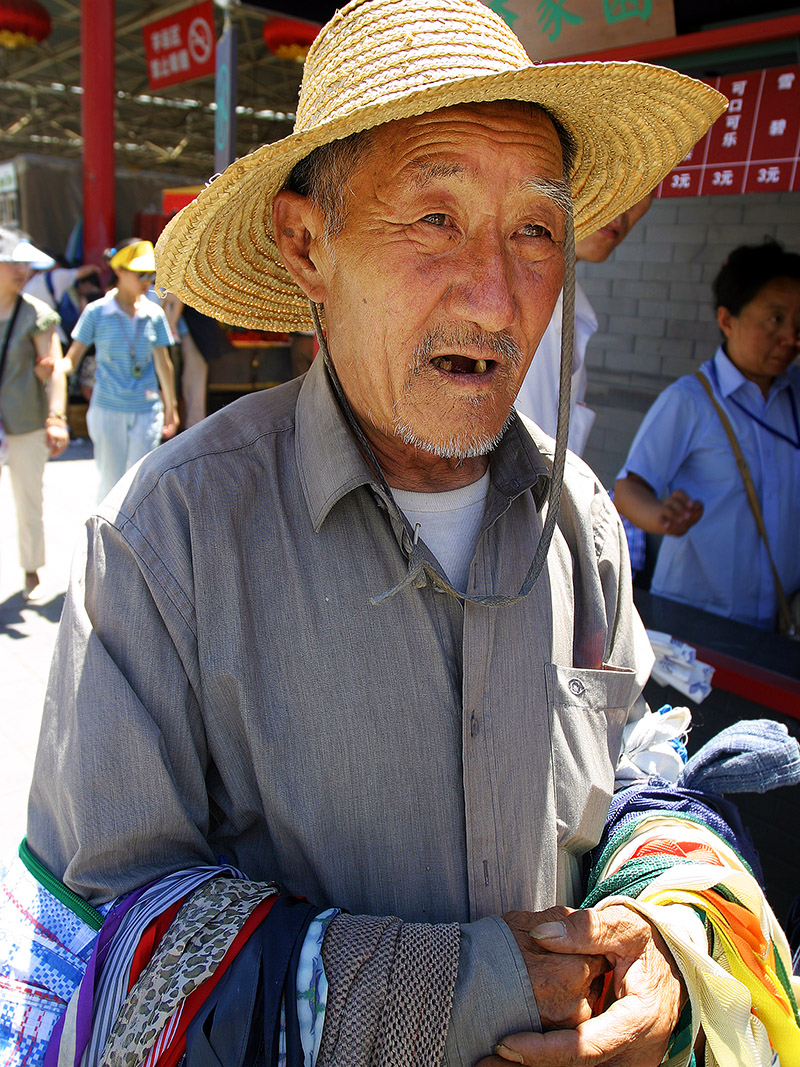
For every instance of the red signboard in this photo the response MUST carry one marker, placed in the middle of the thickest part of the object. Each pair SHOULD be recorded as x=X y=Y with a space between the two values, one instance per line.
x=181 y=46
x=754 y=147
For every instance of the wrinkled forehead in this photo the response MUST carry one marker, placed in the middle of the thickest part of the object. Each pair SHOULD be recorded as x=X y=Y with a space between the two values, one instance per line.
x=487 y=113
x=427 y=141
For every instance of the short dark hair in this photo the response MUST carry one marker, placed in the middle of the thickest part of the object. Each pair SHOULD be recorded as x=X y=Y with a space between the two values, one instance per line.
x=323 y=175
x=748 y=269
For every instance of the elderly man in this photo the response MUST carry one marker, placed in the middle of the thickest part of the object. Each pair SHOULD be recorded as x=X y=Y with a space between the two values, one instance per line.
x=307 y=636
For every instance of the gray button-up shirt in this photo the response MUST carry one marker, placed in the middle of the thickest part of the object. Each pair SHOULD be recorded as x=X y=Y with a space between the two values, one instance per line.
x=224 y=685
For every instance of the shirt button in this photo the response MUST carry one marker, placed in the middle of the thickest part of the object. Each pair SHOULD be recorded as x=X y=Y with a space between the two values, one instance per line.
x=576 y=687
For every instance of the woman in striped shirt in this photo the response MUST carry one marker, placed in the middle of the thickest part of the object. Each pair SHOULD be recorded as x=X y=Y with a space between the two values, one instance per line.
x=128 y=415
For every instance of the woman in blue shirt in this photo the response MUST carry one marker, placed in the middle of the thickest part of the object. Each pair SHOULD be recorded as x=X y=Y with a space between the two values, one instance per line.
x=681 y=477
x=127 y=414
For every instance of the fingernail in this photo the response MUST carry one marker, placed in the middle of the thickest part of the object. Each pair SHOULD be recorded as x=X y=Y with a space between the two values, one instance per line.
x=551 y=931
x=509 y=1053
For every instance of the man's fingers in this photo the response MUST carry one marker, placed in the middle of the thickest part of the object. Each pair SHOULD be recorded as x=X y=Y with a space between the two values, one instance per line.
x=614 y=932
x=617 y=1038
x=679 y=513
x=554 y=1049
x=567 y=985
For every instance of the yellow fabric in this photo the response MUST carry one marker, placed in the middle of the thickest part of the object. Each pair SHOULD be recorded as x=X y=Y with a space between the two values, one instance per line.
x=751 y=960
x=736 y=995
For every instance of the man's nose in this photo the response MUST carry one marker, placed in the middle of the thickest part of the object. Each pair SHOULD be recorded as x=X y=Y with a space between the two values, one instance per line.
x=483 y=291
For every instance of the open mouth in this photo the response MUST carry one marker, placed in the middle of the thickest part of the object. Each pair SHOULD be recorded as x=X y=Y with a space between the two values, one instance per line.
x=454 y=364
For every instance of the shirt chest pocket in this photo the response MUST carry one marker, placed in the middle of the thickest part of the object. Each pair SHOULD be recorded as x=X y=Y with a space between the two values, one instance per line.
x=588 y=712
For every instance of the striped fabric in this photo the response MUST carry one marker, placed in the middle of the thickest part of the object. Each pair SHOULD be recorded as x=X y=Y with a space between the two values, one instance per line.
x=123 y=344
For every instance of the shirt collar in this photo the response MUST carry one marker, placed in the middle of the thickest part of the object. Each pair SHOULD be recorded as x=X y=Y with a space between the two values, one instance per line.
x=730 y=378
x=331 y=464
x=109 y=306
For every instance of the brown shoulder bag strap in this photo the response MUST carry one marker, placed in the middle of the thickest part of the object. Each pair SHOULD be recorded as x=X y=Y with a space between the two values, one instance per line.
x=752 y=497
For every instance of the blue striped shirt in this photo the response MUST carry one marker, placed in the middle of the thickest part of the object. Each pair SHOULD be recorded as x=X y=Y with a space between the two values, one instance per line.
x=122 y=345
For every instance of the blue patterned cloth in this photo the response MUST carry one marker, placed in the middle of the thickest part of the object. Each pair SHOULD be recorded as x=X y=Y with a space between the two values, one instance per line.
x=44 y=949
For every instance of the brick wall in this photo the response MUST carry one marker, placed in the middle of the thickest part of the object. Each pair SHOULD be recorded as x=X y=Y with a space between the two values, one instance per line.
x=653 y=304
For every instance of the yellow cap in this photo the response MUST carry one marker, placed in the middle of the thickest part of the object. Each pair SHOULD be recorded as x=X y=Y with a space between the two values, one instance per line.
x=139 y=257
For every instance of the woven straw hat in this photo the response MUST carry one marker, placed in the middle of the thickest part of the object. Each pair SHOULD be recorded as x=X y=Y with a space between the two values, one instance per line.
x=379 y=60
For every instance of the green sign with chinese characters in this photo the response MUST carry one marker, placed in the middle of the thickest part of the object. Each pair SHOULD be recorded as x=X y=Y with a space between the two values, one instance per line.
x=555 y=29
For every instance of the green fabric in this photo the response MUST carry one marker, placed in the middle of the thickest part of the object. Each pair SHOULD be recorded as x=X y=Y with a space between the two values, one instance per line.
x=620 y=838
x=632 y=878
x=682 y=1034
x=57 y=888
x=783 y=978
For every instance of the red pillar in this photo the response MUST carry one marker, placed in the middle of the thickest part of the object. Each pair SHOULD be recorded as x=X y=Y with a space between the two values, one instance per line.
x=97 y=118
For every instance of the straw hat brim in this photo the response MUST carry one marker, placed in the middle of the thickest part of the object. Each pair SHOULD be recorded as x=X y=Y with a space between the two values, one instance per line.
x=632 y=123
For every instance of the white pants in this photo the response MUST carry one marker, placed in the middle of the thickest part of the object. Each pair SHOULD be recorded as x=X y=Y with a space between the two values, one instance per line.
x=120 y=439
x=27 y=455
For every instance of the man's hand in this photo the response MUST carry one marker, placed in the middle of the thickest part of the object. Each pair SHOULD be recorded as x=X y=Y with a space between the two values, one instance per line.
x=635 y=1029
x=637 y=501
x=171 y=422
x=566 y=985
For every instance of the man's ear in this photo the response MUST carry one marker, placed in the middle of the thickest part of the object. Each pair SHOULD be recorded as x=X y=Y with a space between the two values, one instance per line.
x=297 y=225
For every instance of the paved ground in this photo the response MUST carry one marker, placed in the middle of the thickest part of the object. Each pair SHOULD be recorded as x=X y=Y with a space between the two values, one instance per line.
x=28 y=631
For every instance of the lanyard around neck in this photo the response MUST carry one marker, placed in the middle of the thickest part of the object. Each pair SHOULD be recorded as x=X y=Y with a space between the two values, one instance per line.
x=794 y=442
x=131 y=331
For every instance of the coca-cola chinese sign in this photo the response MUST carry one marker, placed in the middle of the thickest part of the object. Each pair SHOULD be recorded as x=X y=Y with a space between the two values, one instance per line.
x=754 y=147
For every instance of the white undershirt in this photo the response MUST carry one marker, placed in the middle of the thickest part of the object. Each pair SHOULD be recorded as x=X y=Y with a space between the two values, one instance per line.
x=449 y=524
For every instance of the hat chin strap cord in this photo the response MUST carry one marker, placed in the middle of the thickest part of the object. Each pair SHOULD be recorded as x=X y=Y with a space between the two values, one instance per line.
x=419 y=569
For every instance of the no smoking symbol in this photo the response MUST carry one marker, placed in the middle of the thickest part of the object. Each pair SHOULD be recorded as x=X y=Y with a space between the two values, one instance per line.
x=200 y=41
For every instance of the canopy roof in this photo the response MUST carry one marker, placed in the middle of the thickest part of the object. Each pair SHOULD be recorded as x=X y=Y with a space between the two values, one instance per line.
x=173 y=128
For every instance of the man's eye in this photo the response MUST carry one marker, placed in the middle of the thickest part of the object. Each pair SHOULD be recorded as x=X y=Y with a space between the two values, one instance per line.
x=435 y=218
x=533 y=229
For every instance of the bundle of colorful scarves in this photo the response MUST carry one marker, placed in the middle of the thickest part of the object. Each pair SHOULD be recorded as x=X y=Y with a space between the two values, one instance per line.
x=683 y=860
x=208 y=969
x=163 y=974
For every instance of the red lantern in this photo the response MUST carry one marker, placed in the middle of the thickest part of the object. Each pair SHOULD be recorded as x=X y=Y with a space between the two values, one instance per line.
x=289 y=38
x=23 y=23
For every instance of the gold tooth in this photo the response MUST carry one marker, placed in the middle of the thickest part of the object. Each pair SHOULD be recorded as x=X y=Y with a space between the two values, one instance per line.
x=480 y=366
